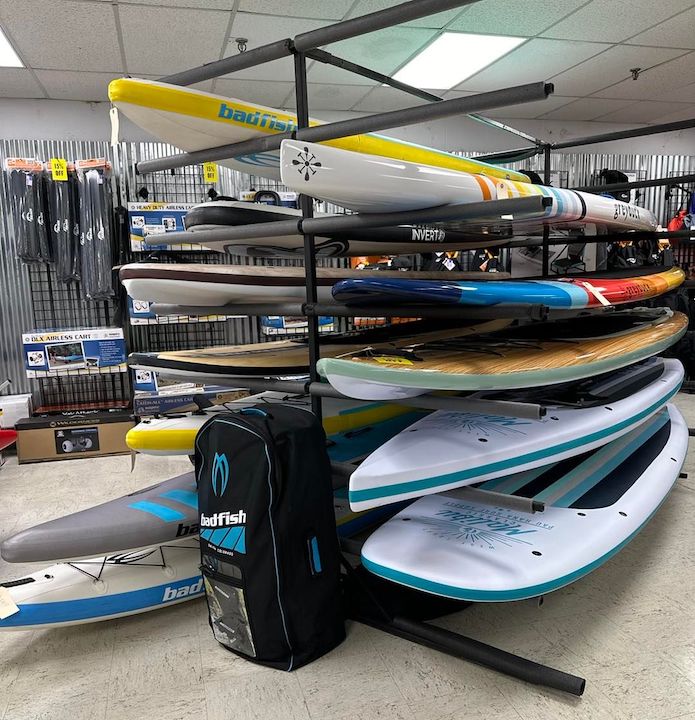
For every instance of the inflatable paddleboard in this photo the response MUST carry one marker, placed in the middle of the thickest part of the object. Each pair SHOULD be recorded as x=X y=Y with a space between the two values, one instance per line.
x=133 y=582
x=368 y=183
x=570 y=293
x=400 y=240
x=176 y=435
x=291 y=357
x=218 y=285
x=534 y=355
x=7 y=437
x=160 y=513
x=449 y=449
x=196 y=120
x=471 y=548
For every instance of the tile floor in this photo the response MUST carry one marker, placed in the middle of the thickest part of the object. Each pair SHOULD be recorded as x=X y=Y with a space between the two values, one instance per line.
x=629 y=628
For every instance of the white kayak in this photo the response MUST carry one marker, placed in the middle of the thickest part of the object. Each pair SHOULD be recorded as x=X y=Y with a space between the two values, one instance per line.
x=469 y=545
x=196 y=120
x=372 y=184
x=447 y=449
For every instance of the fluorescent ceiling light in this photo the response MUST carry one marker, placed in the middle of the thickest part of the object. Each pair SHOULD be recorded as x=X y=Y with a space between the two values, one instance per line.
x=8 y=56
x=453 y=57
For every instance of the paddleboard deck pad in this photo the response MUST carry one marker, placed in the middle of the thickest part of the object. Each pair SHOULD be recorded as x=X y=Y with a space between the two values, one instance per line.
x=532 y=355
x=195 y=284
x=471 y=549
x=163 y=512
x=445 y=450
x=569 y=293
x=403 y=239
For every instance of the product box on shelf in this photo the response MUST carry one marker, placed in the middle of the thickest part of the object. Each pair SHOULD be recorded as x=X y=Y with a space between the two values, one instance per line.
x=147 y=220
x=73 y=435
x=182 y=398
x=87 y=351
x=14 y=408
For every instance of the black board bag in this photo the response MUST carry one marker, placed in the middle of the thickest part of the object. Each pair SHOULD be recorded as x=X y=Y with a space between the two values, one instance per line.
x=268 y=540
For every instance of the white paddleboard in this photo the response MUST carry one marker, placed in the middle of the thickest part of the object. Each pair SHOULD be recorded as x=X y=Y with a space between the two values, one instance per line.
x=368 y=183
x=474 y=549
x=447 y=449
x=104 y=588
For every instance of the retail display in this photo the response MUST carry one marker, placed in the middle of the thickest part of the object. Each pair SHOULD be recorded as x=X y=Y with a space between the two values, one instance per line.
x=218 y=285
x=366 y=183
x=528 y=357
x=196 y=120
x=403 y=239
x=470 y=547
x=449 y=449
x=571 y=292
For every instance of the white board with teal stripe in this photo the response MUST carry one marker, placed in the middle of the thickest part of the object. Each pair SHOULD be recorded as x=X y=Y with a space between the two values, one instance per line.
x=447 y=449
x=596 y=503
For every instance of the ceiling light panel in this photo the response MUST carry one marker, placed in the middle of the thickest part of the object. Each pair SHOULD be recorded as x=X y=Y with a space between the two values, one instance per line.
x=454 y=57
x=8 y=55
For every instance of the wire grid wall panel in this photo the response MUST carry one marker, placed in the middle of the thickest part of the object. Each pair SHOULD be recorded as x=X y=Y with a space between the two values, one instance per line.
x=33 y=299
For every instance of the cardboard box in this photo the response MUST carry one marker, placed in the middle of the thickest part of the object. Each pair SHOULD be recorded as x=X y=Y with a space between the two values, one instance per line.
x=72 y=435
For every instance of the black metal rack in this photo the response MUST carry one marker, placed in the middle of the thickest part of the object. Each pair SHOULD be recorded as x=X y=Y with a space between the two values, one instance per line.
x=307 y=45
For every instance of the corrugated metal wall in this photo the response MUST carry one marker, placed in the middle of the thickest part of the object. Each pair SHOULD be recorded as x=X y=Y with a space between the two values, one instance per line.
x=185 y=185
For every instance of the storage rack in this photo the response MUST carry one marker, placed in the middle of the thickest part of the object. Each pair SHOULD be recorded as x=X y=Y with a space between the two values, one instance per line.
x=306 y=45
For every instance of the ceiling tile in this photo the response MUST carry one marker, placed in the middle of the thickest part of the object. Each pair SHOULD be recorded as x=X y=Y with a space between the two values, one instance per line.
x=686 y=112
x=437 y=21
x=61 y=34
x=320 y=72
x=66 y=85
x=608 y=68
x=262 y=29
x=586 y=109
x=166 y=50
x=675 y=33
x=278 y=70
x=613 y=21
x=265 y=93
x=383 y=51
x=325 y=9
x=383 y=99
x=655 y=81
x=642 y=112
x=523 y=19
x=685 y=93
x=530 y=110
x=19 y=83
x=199 y=4
x=530 y=62
x=332 y=97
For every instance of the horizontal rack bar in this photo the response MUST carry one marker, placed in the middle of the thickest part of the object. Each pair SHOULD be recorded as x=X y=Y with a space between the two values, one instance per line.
x=508 y=310
x=625 y=134
x=637 y=184
x=531 y=92
x=512 y=502
x=304 y=42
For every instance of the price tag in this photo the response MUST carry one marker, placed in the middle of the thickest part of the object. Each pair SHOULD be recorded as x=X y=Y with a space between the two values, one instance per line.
x=210 y=172
x=392 y=360
x=59 y=168
x=7 y=604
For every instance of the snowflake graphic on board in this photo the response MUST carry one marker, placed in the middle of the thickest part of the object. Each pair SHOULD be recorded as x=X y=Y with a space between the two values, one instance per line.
x=306 y=164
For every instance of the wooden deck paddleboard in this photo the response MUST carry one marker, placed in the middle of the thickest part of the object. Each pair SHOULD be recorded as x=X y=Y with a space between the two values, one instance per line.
x=468 y=546
x=535 y=355
x=402 y=240
x=196 y=120
x=218 y=285
x=569 y=293
x=447 y=449
x=291 y=357
x=369 y=184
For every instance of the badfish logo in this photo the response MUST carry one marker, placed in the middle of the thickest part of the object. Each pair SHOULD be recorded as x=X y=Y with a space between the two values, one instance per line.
x=257 y=119
x=220 y=474
x=306 y=164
